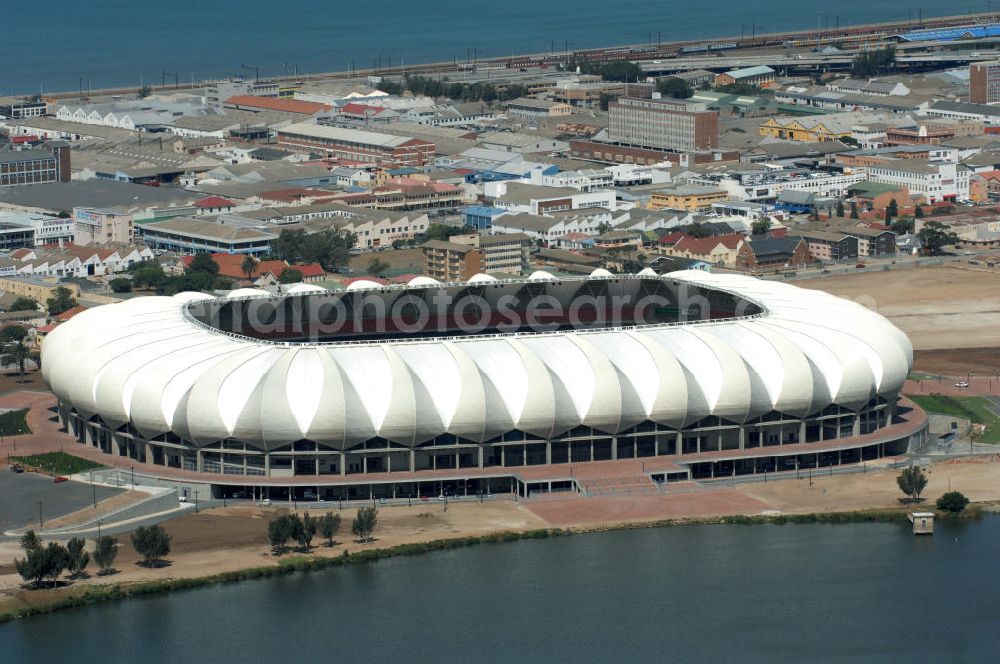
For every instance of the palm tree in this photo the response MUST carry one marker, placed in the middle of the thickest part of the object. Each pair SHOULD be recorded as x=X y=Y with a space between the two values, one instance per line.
x=249 y=266
x=18 y=353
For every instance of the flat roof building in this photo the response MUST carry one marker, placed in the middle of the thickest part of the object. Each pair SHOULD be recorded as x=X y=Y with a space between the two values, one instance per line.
x=665 y=124
x=197 y=236
x=358 y=145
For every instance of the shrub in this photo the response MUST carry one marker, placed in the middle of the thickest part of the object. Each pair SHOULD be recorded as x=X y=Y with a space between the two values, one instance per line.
x=953 y=501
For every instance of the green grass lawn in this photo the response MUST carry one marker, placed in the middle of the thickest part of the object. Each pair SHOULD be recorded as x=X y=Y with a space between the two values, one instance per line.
x=58 y=463
x=975 y=409
x=14 y=422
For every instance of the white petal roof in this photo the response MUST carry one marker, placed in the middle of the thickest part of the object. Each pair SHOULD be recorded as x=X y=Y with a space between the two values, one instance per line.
x=146 y=361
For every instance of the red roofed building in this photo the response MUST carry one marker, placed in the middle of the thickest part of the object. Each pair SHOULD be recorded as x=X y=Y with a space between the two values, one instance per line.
x=231 y=265
x=257 y=104
x=405 y=193
x=311 y=272
x=69 y=313
x=214 y=205
x=716 y=250
x=364 y=111
x=671 y=239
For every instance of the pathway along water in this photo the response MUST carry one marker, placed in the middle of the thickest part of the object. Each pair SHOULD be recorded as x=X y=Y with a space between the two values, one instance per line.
x=836 y=593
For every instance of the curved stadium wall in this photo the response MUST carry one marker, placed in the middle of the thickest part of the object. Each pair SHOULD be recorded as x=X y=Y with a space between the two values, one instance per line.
x=323 y=385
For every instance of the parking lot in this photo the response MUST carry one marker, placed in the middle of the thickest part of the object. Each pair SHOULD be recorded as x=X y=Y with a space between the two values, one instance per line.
x=21 y=493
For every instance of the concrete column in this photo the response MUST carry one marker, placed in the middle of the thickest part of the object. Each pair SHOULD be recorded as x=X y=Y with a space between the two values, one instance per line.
x=679 y=444
x=388 y=468
x=743 y=438
x=802 y=432
x=413 y=460
x=503 y=455
x=548 y=453
x=200 y=460
x=343 y=463
x=856 y=426
x=614 y=448
x=479 y=454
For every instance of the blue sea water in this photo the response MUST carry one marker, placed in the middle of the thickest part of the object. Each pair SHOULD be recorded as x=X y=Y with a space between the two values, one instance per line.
x=52 y=45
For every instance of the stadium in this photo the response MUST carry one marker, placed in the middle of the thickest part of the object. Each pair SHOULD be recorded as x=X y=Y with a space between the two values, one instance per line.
x=484 y=386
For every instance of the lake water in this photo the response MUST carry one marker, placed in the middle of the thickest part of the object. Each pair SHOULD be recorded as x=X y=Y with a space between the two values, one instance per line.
x=52 y=45
x=844 y=593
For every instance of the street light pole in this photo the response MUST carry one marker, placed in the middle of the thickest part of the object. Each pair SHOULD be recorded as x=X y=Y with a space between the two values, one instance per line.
x=41 y=521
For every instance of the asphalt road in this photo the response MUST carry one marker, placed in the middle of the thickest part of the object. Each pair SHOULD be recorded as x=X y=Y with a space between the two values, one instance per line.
x=20 y=494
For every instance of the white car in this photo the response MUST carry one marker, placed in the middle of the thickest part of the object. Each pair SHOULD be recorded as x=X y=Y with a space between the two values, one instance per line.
x=962 y=384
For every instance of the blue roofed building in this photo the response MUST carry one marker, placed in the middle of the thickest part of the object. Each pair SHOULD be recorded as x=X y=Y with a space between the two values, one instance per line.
x=481 y=217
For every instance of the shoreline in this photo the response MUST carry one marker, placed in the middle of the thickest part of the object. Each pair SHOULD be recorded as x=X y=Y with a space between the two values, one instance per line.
x=440 y=66
x=87 y=594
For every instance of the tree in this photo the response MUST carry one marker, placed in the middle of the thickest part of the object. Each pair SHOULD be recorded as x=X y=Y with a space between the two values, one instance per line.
x=203 y=263
x=17 y=352
x=307 y=532
x=760 y=227
x=443 y=231
x=934 y=236
x=105 y=552
x=953 y=501
x=289 y=276
x=43 y=563
x=918 y=211
x=286 y=527
x=278 y=535
x=364 y=523
x=30 y=541
x=152 y=543
x=903 y=225
x=147 y=274
x=77 y=557
x=698 y=230
x=377 y=267
x=13 y=333
x=144 y=91
x=854 y=210
x=248 y=266
x=912 y=482
x=740 y=89
x=605 y=100
x=23 y=304
x=873 y=63
x=891 y=210
x=330 y=248
x=674 y=87
x=329 y=524
x=62 y=299
x=840 y=208
x=121 y=285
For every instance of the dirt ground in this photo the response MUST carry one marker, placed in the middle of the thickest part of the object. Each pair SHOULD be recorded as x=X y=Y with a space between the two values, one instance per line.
x=218 y=540
x=939 y=307
x=32 y=380
x=979 y=479
x=956 y=362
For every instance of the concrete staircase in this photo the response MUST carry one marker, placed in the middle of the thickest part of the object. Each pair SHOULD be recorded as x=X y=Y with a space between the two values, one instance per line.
x=620 y=485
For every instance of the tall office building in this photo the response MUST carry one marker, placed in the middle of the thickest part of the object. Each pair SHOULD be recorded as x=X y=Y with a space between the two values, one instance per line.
x=984 y=82
x=665 y=124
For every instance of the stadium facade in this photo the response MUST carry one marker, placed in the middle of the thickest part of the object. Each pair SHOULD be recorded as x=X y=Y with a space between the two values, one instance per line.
x=377 y=389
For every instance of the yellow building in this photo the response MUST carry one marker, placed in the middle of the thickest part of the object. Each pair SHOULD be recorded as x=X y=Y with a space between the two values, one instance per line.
x=691 y=199
x=37 y=288
x=807 y=130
